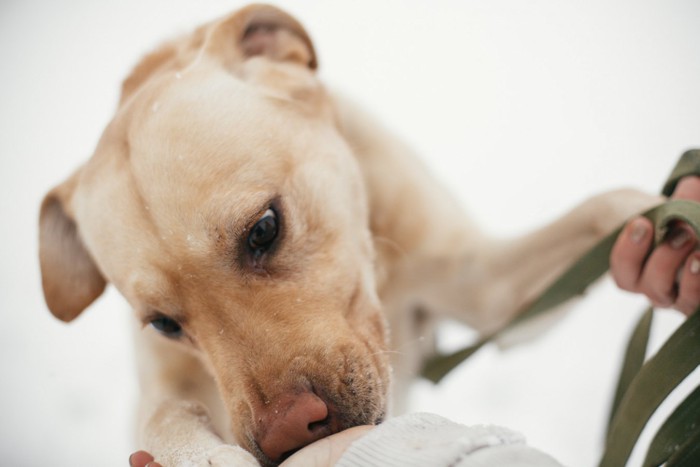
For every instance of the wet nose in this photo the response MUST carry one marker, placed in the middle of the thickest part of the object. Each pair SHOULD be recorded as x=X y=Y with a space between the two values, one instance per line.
x=291 y=422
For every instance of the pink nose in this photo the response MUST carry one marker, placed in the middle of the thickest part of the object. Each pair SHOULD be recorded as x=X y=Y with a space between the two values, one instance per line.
x=291 y=422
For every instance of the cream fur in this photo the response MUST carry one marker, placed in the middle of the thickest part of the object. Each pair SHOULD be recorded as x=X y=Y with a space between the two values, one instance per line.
x=212 y=129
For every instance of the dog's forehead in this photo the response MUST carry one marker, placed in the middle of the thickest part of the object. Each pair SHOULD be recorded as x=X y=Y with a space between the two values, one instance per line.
x=212 y=129
x=209 y=152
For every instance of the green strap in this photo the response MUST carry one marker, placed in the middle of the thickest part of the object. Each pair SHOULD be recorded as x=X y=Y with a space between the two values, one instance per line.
x=688 y=455
x=689 y=164
x=674 y=438
x=634 y=359
x=642 y=387
x=574 y=281
x=678 y=357
x=578 y=277
x=678 y=430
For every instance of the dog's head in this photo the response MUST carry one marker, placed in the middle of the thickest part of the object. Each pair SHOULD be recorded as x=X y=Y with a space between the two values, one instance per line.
x=225 y=206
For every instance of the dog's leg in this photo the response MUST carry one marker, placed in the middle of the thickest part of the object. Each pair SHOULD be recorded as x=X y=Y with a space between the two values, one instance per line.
x=181 y=417
x=485 y=286
x=431 y=257
x=487 y=283
x=433 y=262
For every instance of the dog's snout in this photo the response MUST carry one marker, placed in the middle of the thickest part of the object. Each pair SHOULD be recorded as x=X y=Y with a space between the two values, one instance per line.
x=291 y=422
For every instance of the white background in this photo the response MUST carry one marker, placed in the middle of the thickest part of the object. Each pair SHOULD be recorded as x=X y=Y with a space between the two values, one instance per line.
x=523 y=108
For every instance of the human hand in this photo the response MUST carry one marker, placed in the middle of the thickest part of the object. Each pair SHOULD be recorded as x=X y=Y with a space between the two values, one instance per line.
x=669 y=275
x=326 y=451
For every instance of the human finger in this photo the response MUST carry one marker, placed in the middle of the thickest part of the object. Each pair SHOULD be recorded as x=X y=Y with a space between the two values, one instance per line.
x=140 y=459
x=326 y=451
x=689 y=288
x=660 y=273
x=629 y=253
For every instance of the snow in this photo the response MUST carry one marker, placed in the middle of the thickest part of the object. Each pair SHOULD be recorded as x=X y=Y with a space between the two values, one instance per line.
x=523 y=108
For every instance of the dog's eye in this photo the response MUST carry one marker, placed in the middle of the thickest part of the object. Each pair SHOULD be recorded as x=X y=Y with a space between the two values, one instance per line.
x=167 y=326
x=263 y=233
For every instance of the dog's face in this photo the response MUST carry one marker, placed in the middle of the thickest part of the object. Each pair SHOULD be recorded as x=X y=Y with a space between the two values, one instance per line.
x=225 y=206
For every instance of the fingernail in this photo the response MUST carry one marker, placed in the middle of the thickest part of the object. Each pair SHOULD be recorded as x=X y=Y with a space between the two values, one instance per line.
x=678 y=238
x=694 y=265
x=639 y=231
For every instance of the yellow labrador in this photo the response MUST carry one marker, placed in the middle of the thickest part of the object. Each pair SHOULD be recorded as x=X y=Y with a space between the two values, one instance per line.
x=267 y=235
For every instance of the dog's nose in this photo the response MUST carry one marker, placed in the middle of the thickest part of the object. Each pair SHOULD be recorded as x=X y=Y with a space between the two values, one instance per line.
x=293 y=421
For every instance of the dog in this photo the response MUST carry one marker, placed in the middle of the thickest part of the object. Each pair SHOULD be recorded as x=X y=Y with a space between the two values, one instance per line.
x=275 y=243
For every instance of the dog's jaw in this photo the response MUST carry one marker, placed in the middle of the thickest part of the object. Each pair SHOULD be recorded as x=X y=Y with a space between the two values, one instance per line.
x=346 y=367
x=353 y=396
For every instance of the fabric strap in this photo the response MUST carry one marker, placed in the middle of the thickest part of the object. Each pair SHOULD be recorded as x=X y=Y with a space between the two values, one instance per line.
x=642 y=387
x=680 y=429
x=678 y=357
x=634 y=359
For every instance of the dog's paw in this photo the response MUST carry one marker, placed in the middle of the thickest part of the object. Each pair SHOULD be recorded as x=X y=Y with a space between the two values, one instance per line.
x=227 y=455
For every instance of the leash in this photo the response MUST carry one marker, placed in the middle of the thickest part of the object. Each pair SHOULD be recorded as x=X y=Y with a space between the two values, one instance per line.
x=642 y=387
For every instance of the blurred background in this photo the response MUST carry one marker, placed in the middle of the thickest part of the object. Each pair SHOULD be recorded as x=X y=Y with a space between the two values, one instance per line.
x=523 y=108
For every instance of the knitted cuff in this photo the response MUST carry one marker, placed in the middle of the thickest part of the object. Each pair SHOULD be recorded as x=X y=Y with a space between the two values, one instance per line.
x=421 y=439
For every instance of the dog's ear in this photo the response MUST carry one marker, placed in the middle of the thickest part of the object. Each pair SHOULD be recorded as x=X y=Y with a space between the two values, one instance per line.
x=256 y=30
x=69 y=276
x=262 y=30
x=162 y=58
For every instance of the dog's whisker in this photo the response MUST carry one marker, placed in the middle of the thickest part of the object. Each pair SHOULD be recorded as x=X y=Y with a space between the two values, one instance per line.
x=402 y=349
x=386 y=352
